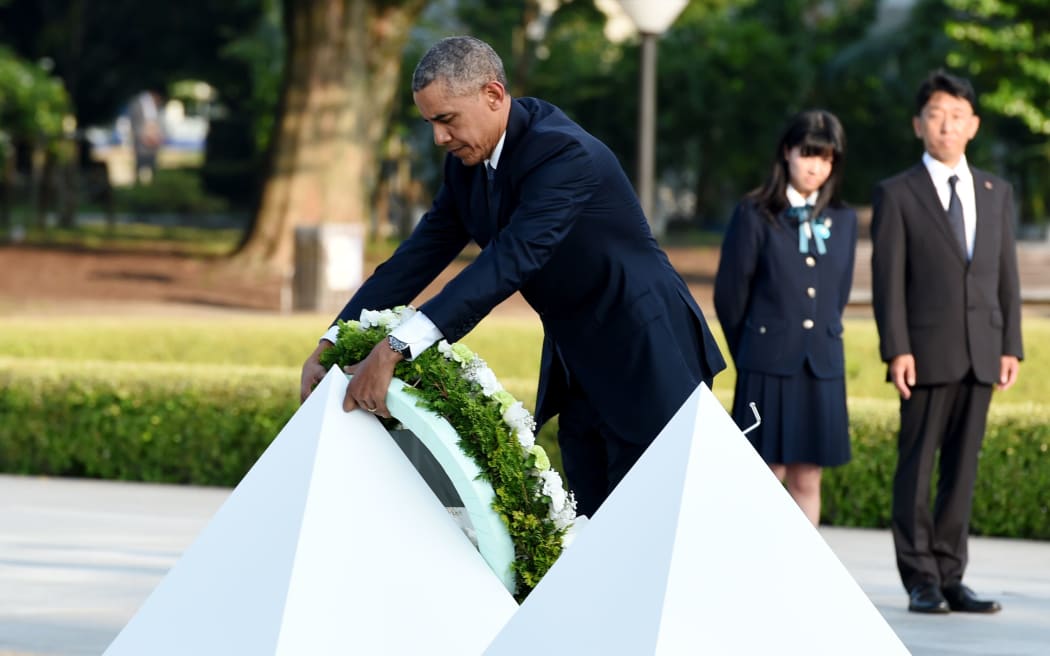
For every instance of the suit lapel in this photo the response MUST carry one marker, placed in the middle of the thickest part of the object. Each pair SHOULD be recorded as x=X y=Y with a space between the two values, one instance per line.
x=984 y=197
x=922 y=186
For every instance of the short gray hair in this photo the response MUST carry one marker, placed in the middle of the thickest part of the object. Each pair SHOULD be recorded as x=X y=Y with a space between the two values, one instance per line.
x=464 y=64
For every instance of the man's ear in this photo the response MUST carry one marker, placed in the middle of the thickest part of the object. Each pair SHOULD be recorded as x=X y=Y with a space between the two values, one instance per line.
x=916 y=125
x=494 y=94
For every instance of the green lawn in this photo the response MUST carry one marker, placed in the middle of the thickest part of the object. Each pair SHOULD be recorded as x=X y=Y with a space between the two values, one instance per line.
x=510 y=346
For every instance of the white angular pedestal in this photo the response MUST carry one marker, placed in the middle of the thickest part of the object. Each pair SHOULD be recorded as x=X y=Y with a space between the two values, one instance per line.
x=699 y=550
x=331 y=544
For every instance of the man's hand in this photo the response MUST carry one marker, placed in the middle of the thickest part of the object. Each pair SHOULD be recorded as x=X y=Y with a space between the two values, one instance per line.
x=313 y=372
x=902 y=374
x=1009 y=367
x=372 y=376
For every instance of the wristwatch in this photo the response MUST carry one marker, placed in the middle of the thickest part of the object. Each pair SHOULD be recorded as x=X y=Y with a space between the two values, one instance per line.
x=398 y=346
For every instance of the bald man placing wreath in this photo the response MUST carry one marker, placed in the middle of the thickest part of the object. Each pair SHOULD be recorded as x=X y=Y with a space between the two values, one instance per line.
x=556 y=219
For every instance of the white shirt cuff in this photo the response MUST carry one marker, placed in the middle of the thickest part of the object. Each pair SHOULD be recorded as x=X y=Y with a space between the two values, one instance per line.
x=419 y=333
x=332 y=335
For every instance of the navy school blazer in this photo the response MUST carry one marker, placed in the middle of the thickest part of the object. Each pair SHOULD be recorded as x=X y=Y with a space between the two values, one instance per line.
x=569 y=234
x=779 y=308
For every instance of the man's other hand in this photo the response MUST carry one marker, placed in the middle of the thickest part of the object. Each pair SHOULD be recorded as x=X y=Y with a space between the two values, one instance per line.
x=372 y=376
x=902 y=374
x=313 y=372
x=1009 y=367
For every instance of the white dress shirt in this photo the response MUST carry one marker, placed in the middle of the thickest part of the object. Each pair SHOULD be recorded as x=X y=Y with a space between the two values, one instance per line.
x=795 y=199
x=939 y=173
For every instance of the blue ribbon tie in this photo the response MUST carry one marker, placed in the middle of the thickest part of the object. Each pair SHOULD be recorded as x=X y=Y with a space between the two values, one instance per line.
x=810 y=228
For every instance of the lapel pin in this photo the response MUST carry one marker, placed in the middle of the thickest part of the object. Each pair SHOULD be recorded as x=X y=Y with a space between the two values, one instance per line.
x=987 y=184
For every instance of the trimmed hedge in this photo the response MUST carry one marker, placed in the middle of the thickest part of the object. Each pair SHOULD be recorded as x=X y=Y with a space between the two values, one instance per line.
x=145 y=422
x=1012 y=495
x=207 y=425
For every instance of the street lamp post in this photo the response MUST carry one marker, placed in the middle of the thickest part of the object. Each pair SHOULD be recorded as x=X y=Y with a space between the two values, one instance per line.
x=652 y=18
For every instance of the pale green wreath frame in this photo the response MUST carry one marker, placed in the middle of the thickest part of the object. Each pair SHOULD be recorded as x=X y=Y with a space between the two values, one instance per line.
x=438 y=436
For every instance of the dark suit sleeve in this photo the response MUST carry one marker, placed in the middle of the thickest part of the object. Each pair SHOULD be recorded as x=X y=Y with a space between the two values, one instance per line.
x=1009 y=283
x=736 y=270
x=888 y=275
x=557 y=180
x=438 y=238
x=847 y=282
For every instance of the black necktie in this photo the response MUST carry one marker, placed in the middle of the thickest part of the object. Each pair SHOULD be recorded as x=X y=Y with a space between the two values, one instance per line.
x=490 y=191
x=955 y=217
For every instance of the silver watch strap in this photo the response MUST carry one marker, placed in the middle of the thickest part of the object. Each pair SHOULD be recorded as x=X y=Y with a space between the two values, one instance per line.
x=399 y=346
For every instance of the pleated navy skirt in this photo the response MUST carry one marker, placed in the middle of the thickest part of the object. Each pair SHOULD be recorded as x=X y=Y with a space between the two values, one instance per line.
x=804 y=418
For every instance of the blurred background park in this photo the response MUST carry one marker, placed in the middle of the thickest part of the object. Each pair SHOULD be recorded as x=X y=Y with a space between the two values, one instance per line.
x=298 y=113
x=152 y=324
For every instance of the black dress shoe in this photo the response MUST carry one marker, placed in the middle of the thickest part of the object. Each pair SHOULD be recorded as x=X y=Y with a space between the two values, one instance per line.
x=962 y=599
x=927 y=598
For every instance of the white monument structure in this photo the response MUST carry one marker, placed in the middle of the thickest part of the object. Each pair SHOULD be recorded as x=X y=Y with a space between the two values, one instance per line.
x=699 y=550
x=332 y=544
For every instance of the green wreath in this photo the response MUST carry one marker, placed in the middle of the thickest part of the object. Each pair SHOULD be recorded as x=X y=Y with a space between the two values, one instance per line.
x=494 y=430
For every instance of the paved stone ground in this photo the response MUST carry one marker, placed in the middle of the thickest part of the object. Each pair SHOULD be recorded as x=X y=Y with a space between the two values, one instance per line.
x=77 y=558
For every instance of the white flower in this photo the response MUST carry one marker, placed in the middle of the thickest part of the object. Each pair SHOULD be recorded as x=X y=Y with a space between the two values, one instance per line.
x=487 y=379
x=386 y=319
x=518 y=418
x=369 y=318
x=562 y=505
x=525 y=438
x=566 y=517
x=445 y=349
x=553 y=489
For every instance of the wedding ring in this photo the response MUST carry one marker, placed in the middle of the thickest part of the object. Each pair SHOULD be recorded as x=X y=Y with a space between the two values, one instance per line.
x=371 y=409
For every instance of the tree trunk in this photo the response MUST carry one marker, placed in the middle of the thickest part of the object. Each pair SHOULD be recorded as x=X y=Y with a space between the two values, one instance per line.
x=341 y=75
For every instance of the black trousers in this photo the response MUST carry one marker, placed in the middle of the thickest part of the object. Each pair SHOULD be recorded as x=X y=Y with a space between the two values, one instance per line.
x=931 y=545
x=595 y=458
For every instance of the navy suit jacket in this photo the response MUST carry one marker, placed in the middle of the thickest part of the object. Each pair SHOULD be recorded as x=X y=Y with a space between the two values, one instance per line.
x=570 y=235
x=950 y=314
x=778 y=308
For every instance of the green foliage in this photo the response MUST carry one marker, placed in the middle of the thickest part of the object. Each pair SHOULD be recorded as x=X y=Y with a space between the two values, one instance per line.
x=483 y=436
x=153 y=399
x=1010 y=497
x=163 y=423
x=32 y=102
x=172 y=190
x=140 y=237
x=1010 y=40
x=107 y=50
x=262 y=51
x=1004 y=47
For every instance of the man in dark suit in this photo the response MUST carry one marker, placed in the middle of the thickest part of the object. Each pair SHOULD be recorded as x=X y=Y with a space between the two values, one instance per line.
x=556 y=219
x=947 y=303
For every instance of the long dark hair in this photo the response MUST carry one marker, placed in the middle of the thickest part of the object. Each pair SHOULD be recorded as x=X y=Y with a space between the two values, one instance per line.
x=817 y=133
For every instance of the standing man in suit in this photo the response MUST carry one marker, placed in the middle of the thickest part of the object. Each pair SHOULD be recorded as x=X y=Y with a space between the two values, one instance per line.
x=948 y=307
x=624 y=342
